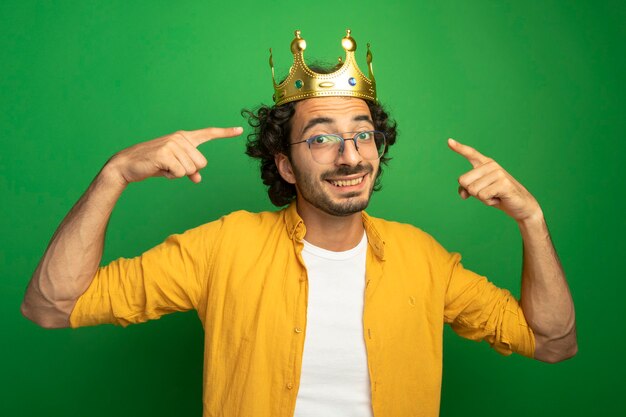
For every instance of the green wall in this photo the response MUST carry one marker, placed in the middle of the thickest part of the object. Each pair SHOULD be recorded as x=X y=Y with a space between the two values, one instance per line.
x=538 y=86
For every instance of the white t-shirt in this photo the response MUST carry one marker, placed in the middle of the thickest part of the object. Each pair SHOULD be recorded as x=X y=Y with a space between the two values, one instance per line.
x=335 y=379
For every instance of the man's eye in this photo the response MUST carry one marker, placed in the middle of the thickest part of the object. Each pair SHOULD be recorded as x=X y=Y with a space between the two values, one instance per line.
x=324 y=139
x=365 y=136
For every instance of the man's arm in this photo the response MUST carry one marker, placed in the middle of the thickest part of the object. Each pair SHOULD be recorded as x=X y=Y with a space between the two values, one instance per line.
x=75 y=250
x=545 y=300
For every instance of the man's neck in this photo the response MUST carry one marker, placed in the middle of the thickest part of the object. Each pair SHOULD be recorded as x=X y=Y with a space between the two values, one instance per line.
x=335 y=233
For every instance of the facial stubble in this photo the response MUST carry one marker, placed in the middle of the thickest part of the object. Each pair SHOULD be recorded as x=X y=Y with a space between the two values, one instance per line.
x=315 y=194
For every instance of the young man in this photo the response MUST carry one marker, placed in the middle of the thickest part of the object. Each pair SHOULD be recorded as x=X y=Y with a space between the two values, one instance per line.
x=371 y=296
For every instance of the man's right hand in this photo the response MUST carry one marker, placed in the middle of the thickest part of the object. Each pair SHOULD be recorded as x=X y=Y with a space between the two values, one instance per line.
x=74 y=253
x=171 y=156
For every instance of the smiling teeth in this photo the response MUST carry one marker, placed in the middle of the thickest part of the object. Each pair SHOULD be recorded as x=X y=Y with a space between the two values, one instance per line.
x=345 y=183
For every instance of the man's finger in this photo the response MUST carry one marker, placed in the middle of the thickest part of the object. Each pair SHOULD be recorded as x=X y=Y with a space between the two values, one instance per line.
x=195 y=177
x=198 y=137
x=463 y=193
x=483 y=182
x=185 y=161
x=475 y=173
x=471 y=154
x=196 y=156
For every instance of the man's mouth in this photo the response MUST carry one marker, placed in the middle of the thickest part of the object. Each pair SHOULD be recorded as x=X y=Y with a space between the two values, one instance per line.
x=346 y=183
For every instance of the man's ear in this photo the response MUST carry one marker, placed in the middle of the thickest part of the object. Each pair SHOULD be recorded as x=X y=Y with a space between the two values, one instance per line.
x=284 y=167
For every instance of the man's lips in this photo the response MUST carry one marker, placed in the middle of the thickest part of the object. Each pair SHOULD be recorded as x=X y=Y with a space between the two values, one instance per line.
x=348 y=181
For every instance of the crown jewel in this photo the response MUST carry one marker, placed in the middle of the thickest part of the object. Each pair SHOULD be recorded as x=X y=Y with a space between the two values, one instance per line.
x=347 y=80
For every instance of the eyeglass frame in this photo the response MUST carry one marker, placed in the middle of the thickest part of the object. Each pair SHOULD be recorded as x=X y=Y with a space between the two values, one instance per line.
x=342 y=145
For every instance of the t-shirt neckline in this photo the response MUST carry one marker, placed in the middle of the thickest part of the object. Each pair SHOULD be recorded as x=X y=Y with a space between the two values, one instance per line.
x=337 y=256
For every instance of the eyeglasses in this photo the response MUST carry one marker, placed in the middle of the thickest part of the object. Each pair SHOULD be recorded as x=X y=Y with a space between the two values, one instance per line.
x=326 y=147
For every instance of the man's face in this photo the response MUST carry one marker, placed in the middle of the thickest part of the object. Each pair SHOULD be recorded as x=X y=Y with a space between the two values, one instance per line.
x=344 y=186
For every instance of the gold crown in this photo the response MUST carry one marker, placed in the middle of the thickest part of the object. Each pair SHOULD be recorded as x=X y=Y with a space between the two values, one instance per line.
x=303 y=83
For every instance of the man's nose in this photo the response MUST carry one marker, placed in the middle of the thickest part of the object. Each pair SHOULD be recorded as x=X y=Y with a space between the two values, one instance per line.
x=350 y=155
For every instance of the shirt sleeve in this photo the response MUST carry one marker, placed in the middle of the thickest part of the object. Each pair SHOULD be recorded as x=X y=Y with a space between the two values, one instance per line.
x=167 y=278
x=478 y=310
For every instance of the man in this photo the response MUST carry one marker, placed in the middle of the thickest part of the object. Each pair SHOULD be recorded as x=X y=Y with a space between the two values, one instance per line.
x=371 y=296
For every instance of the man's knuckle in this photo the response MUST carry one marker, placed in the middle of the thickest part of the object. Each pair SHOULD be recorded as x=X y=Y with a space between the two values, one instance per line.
x=202 y=162
x=178 y=137
x=168 y=146
x=162 y=153
x=484 y=194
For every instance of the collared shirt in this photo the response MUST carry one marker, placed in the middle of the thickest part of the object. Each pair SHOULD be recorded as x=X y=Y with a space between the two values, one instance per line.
x=245 y=276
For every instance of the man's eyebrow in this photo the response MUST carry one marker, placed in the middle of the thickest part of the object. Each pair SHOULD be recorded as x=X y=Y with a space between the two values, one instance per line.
x=327 y=120
x=363 y=118
x=317 y=121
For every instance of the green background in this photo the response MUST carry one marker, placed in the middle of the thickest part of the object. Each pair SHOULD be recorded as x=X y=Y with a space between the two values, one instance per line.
x=538 y=86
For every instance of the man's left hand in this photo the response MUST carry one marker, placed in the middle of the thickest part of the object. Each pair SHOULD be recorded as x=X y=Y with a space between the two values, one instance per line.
x=492 y=185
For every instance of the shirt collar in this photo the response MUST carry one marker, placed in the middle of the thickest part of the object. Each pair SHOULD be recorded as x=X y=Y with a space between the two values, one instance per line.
x=296 y=229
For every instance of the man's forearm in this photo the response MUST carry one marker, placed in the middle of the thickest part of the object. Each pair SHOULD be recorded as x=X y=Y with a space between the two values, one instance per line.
x=545 y=298
x=73 y=255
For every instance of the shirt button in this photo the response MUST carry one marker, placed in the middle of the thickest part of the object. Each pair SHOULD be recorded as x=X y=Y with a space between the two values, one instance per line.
x=289 y=385
x=297 y=330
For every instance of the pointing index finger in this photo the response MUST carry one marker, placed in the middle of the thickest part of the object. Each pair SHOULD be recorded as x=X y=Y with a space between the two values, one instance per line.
x=200 y=136
x=471 y=154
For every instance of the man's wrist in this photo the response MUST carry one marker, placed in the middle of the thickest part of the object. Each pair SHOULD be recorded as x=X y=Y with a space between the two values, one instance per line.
x=534 y=223
x=111 y=177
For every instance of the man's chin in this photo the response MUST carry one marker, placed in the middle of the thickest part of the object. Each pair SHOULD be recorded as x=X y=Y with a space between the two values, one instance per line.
x=346 y=203
x=347 y=207
x=333 y=200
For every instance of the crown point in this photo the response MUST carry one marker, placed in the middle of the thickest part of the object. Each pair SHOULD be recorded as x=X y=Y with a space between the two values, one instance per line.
x=298 y=45
x=348 y=43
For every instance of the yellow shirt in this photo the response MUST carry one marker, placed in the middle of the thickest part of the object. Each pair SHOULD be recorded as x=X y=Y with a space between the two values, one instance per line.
x=245 y=276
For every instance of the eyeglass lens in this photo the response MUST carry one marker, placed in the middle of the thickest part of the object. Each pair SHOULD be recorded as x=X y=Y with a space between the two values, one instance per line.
x=326 y=148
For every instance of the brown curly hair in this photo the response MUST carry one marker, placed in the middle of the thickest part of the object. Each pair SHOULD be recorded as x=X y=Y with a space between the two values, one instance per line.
x=270 y=136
